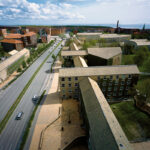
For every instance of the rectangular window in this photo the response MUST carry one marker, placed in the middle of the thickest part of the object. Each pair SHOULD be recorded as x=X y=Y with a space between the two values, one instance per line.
x=69 y=85
x=76 y=78
x=128 y=82
x=76 y=84
x=110 y=84
x=122 y=82
x=76 y=90
x=63 y=85
x=115 y=88
x=130 y=76
x=121 y=88
x=62 y=79
x=120 y=93
x=104 y=84
x=114 y=94
x=69 y=79
x=117 y=77
x=103 y=89
x=70 y=90
x=116 y=82
x=104 y=78
x=109 y=94
x=111 y=77
x=109 y=89
x=127 y=88
x=123 y=76
x=98 y=78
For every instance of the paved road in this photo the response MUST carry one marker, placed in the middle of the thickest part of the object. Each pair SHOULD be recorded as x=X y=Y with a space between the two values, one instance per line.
x=11 y=135
x=10 y=94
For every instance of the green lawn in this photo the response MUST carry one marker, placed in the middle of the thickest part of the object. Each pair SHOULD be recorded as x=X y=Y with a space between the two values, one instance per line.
x=127 y=59
x=135 y=123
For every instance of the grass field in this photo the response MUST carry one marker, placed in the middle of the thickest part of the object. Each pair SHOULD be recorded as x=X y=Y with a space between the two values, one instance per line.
x=135 y=123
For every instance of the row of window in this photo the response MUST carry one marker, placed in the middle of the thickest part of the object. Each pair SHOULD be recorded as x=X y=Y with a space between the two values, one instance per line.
x=70 y=90
x=116 y=83
x=104 y=78
x=117 y=77
x=115 y=88
x=70 y=85
x=116 y=94
x=69 y=79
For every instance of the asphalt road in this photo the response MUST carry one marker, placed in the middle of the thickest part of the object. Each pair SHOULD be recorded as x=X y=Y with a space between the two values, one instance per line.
x=12 y=134
x=10 y=94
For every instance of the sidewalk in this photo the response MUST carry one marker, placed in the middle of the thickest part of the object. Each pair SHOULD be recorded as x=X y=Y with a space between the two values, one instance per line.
x=56 y=138
x=141 y=145
x=49 y=112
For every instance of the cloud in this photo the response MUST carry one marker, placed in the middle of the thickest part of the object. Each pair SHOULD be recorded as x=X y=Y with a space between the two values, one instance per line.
x=22 y=9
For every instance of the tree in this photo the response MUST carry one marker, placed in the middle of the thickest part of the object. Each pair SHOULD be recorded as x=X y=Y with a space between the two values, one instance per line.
x=128 y=49
x=71 y=34
x=19 y=69
x=146 y=65
x=85 y=45
x=128 y=60
x=141 y=55
x=2 y=53
x=143 y=86
x=53 y=56
x=24 y=64
x=28 y=60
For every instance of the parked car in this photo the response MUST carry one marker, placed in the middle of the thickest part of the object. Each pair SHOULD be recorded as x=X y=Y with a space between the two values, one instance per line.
x=35 y=98
x=19 y=115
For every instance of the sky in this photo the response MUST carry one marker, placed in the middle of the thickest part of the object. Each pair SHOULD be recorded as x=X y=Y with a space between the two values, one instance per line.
x=62 y=12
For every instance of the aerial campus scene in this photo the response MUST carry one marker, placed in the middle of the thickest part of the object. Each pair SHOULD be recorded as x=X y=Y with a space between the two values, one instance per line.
x=74 y=75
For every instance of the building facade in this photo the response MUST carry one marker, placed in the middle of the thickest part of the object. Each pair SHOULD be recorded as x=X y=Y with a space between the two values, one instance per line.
x=113 y=83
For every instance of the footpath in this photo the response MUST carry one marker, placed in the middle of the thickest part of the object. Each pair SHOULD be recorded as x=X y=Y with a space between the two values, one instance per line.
x=48 y=113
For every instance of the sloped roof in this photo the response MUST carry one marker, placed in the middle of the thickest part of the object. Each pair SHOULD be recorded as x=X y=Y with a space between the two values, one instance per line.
x=12 y=41
x=29 y=34
x=115 y=36
x=141 y=42
x=105 y=131
x=13 y=36
x=105 y=53
x=73 y=53
x=99 y=70
x=13 y=52
x=6 y=63
x=89 y=33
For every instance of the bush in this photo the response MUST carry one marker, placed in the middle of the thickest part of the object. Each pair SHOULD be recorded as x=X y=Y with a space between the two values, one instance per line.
x=28 y=60
x=19 y=69
x=24 y=64
x=53 y=56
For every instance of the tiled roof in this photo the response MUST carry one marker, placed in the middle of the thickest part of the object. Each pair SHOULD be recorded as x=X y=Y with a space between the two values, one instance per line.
x=105 y=53
x=29 y=34
x=97 y=71
x=12 y=41
x=13 y=36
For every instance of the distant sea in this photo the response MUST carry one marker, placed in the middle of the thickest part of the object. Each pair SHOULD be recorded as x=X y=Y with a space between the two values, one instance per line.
x=131 y=26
